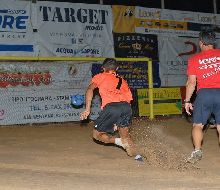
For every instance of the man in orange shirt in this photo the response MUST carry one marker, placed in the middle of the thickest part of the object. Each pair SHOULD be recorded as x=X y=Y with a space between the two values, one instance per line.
x=116 y=111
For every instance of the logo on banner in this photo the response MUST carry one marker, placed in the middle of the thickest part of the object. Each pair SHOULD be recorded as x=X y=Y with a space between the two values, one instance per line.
x=85 y=51
x=155 y=14
x=128 y=12
x=190 y=52
x=207 y=19
x=74 y=15
x=24 y=79
x=11 y=20
x=136 y=45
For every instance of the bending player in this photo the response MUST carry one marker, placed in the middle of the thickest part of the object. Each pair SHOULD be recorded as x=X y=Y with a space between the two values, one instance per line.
x=116 y=111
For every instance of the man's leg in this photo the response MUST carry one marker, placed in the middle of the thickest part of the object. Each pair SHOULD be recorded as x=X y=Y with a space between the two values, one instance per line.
x=197 y=135
x=103 y=137
x=127 y=142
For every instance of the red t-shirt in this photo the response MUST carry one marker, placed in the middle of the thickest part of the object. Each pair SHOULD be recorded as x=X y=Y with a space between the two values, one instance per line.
x=107 y=83
x=206 y=66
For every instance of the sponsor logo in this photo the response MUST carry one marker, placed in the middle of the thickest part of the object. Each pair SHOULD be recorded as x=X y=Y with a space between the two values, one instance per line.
x=192 y=51
x=207 y=19
x=74 y=15
x=154 y=14
x=13 y=19
x=24 y=79
x=136 y=46
x=87 y=51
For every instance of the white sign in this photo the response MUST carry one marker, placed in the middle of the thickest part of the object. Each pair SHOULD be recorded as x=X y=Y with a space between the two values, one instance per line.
x=171 y=22
x=37 y=92
x=70 y=29
x=173 y=56
x=16 y=32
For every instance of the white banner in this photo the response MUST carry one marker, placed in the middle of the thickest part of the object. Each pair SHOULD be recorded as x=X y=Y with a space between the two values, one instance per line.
x=71 y=29
x=172 y=22
x=173 y=56
x=37 y=92
x=174 y=53
x=16 y=32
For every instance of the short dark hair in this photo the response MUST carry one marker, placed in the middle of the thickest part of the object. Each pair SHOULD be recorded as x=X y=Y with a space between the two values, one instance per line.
x=110 y=64
x=207 y=37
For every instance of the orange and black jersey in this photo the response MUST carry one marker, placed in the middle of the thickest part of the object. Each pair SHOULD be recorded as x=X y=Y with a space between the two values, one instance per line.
x=112 y=88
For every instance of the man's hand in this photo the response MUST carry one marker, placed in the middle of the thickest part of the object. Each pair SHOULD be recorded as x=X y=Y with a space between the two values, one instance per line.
x=188 y=108
x=84 y=114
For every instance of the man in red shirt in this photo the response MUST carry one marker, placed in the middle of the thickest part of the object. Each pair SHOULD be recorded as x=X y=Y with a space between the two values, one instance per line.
x=116 y=111
x=203 y=71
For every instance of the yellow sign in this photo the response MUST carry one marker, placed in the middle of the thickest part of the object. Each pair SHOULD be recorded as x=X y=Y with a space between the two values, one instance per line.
x=123 y=19
x=166 y=101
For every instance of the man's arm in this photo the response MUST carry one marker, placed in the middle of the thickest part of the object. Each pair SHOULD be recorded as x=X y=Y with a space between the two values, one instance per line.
x=190 y=87
x=89 y=96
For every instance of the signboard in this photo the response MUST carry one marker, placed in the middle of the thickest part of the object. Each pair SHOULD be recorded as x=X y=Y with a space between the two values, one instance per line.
x=16 y=32
x=173 y=55
x=135 y=73
x=38 y=92
x=172 y=22
x=166 y=101
x=71 y=29
x=136 y=45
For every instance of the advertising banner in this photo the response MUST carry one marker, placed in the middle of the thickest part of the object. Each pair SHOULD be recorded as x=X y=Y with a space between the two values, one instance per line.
x=136 y=45
x=173 y=55
x=173 y=22
x=16 y=32
x=37 y=92
x=135 y=73
x=166 y=101
x=71 y=29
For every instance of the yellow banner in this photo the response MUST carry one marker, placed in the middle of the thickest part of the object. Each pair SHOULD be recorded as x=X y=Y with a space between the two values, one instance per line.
x=123 y=19
x=166 y=101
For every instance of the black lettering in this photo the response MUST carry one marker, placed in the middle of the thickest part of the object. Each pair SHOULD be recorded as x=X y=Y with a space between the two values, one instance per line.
x=57 y=15
x=45 y=12
x=82 y=18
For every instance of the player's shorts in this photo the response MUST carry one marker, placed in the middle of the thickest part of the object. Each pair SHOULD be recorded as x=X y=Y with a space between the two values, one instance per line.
x=207 y=102
x=119 y=113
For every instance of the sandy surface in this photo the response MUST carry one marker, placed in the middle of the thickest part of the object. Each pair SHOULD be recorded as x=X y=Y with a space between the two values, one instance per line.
x=64 y=157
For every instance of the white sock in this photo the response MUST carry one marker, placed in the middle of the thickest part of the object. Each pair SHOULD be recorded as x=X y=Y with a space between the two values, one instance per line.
x=118 y=142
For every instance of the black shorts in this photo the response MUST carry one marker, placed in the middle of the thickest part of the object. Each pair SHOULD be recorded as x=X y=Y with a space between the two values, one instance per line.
x=207 y=102
x=119 y=113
